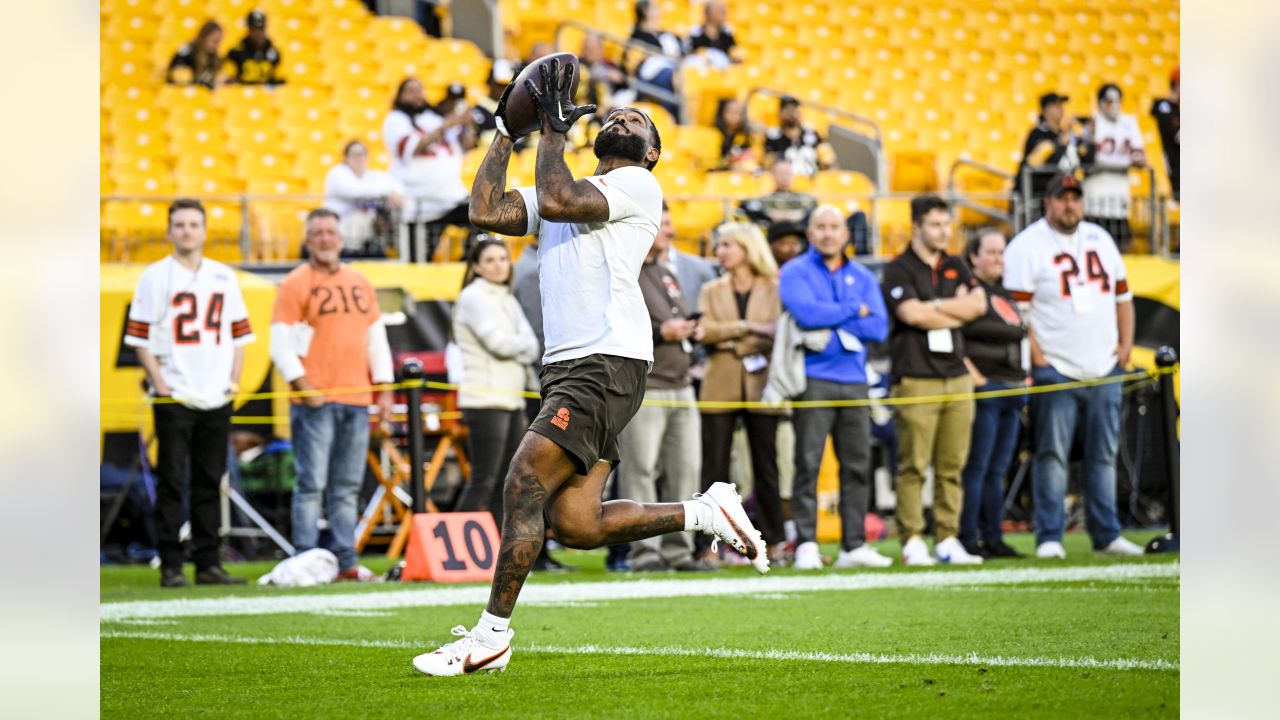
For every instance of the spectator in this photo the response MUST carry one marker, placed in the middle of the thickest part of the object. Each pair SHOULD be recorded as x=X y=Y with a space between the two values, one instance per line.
x=364 y=200
x=784 y=204
x=662 y=53
x=1050 y=147
x=498 y=347
x=1116 y=145
x=1166 y=113
x=691 y=271
x=426 y=157
x=786 y=241
x=739 y=137
x=931 y=295
x=713 y=37
x=740 y=310
x=327 y=333
x=1071 y=280
x=601 y=82
x=795 y=141
x=199 y=61
x=189 y=326
x=256 y=59
x=455 y=103
x=993 y=354
x=660 y=450
x=823 y=289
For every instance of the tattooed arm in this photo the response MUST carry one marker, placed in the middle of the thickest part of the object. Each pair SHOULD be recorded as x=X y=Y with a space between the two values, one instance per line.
x=560 y=197
x=493 y=207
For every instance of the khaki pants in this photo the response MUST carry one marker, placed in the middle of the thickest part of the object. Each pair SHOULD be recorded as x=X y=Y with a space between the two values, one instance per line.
x=936 y=433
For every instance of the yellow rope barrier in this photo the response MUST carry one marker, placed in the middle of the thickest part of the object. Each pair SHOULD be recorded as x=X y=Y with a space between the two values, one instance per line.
x=1146 y=378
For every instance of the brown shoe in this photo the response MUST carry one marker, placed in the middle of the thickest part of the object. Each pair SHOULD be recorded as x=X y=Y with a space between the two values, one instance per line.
x=217 y=576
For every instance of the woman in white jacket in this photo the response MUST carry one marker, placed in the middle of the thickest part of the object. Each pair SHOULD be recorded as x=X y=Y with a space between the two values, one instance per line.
x=497 y=347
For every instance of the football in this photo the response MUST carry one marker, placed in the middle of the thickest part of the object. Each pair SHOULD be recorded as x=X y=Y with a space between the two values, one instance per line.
x=522 y=115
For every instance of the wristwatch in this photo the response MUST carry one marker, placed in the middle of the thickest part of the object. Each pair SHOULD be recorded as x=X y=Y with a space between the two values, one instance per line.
x=937 y=303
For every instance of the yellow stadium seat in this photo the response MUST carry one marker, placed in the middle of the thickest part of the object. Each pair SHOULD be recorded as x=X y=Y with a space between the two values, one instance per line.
x=316 y=140
x=135 y=120
x=265 y=165
x=144 y=184
x=913 y=172
x=701 y=144
x=736 y=185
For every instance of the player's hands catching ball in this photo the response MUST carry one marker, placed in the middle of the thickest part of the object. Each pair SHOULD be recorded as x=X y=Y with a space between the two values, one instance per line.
x=554 y=100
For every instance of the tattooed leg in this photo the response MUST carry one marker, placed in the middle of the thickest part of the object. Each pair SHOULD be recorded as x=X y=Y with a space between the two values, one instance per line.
x=580 y=520
x=538 y=469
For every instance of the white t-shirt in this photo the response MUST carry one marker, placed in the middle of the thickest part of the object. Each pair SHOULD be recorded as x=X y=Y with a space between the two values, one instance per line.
x=589 y=273
x=1073 y=284
x=345 y=192
x=1106 y=187
x=432 y=182
x=192 y=323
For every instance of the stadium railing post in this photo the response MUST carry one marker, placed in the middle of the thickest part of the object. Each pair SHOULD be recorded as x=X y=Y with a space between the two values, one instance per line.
x=411 y=371
x=1166 y=358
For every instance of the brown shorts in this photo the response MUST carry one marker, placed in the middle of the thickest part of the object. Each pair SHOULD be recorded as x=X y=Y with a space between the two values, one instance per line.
x=587 y=402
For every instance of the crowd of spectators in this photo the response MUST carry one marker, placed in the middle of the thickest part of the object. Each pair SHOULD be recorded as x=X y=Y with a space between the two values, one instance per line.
x=254 y=61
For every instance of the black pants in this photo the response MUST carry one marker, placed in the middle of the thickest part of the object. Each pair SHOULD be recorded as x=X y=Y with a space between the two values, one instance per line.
x=190 y=442
x=762 y=437
x=435 y=228
x=492 y=439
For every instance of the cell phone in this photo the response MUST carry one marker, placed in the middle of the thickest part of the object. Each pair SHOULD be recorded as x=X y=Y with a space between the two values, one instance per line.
x=695 y=317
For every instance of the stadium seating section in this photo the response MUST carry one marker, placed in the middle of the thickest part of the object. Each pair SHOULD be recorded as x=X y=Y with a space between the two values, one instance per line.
x=945 y=79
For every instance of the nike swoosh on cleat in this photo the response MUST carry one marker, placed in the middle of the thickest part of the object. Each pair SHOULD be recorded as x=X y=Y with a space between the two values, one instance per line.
x=468 y=667
x=751 y=547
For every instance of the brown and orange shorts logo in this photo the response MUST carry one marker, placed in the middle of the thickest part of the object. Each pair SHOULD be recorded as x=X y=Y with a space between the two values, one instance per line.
x=561 y=420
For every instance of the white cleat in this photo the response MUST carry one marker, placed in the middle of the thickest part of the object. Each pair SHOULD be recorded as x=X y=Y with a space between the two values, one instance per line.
x=1120 y=546
x=915 y=552
x=1051 y=549
x=807 y=557
x=951 y=552
x=862 y=556
x=729 y=523
x=465 y=656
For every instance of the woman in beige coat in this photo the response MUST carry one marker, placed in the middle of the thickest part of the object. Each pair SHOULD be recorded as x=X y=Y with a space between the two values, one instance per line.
x=739 y=312
x=498 y=346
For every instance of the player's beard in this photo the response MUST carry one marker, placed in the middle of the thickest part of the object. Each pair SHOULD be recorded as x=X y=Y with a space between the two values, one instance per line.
x=613 y=143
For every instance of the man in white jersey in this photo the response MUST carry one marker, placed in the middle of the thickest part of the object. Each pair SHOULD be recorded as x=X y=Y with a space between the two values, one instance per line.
x=593 y=235
x=189 y=325
x=1116 y=145
x=1069 y=276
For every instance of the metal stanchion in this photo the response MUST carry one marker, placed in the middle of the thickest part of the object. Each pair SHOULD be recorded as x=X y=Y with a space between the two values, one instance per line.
x=1166 y=358
x=411 y=371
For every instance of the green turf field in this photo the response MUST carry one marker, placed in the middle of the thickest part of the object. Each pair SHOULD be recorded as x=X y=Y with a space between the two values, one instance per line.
x=1088 y=637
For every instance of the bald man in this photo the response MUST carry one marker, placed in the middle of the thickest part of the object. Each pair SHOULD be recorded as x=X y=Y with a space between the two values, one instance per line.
x=824 y=289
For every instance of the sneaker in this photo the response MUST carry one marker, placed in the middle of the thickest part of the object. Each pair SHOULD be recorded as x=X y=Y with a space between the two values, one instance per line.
x=729 y=523
x=974 y=548
x=1051 y=549
x=862 y=556
x=1120 y=546
x=1001 y=549
x=465 y=656
x=915 y=552
x=952 y=552
x=217 y=576
x=173 y=577
x=358 y=573
x=808 y=557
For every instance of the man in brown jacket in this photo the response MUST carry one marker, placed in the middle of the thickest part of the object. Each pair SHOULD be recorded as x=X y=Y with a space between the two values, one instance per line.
x=659 y=449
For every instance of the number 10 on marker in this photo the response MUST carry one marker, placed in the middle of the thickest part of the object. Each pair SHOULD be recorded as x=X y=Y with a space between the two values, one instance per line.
x=452 y=547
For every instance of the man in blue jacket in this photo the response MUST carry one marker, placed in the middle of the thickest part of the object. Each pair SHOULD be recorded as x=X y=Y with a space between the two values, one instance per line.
x=825 y=290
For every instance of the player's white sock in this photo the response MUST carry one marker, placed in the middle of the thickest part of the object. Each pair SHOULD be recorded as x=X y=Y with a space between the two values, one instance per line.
x=697 y=515
x=491 y=631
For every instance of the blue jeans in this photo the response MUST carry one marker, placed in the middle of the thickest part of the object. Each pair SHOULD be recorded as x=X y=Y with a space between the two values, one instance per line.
x=1055 y=416
x=329 y=447
x=995 y=437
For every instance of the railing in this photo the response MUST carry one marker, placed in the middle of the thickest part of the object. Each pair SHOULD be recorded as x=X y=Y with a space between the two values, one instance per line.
x=972 y=201
x=1141 y=218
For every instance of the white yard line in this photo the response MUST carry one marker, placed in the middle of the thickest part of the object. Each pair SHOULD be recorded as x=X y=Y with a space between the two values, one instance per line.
x=578 y=592
x=725 y=653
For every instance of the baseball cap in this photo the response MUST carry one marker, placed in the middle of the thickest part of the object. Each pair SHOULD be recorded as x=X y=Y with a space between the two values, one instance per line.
x=788 y=101
x=1063 y=183
x=456 y=90
x=256 y=19
x=785 y=228
x=1052 y=98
